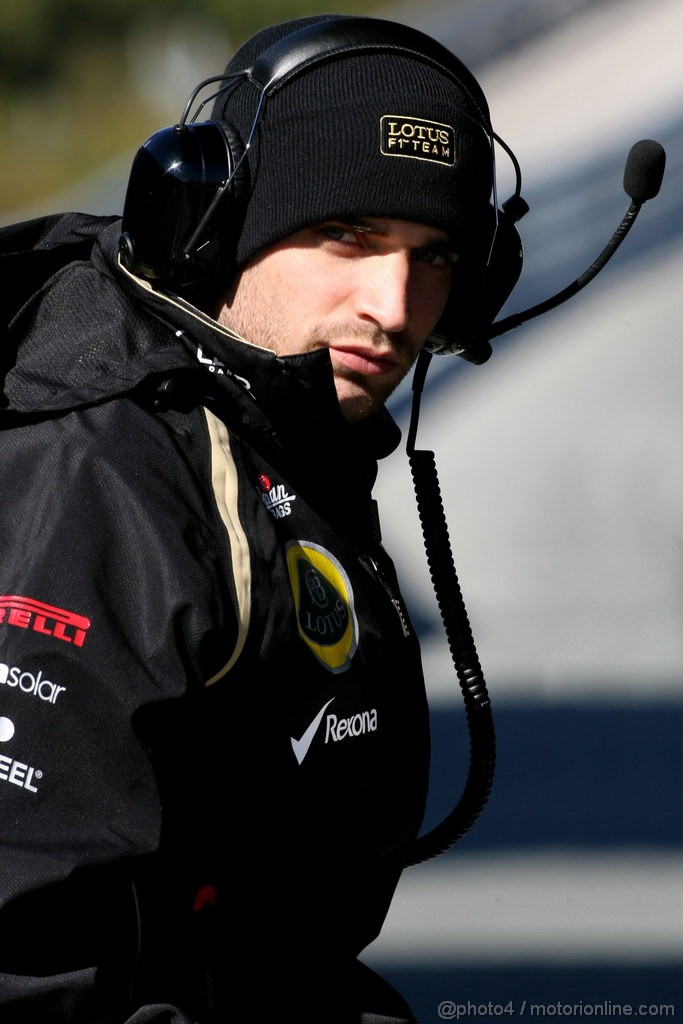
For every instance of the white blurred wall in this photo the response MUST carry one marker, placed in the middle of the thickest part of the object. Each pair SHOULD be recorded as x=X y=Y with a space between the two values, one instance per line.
x=561 y=459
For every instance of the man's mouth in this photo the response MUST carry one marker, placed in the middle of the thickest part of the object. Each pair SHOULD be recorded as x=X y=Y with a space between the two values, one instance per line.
x=364 y=360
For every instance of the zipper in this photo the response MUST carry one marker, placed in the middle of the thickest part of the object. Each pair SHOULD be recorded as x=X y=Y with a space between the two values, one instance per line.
x=398 y=606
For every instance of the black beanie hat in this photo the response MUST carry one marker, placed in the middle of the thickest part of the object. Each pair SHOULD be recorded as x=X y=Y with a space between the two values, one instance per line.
x=376 y=135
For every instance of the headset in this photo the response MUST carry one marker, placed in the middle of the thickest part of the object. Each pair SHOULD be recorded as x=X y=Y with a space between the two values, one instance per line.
x=189 y=184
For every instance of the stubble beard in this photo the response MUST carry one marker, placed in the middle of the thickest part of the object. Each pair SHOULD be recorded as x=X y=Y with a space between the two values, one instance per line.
x=357 y=399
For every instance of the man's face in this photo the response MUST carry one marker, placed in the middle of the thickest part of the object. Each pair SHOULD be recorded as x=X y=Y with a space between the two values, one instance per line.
x=370 y=292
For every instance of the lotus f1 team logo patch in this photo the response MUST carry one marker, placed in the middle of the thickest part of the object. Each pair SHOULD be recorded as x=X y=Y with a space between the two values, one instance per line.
x=414 y=137
x=323 y=599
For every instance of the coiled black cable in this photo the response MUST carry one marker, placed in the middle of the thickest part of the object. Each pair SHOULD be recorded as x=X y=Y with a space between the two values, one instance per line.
x=449 y=597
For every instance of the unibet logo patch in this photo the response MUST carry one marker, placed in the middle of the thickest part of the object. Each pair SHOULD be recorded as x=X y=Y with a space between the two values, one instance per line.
x=323 y=600
x=417 y=138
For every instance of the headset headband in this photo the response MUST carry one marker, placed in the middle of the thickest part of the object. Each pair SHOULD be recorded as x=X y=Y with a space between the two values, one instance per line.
x=346 y=37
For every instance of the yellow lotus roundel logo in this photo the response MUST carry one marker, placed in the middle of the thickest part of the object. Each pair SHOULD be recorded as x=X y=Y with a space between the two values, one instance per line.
x=323 y=600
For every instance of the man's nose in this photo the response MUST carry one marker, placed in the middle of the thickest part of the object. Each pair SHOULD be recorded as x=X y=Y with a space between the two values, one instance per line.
x=383 y=291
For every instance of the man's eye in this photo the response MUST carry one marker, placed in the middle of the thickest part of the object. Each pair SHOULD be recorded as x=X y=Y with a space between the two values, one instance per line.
x=338 y=233
x=435 y=257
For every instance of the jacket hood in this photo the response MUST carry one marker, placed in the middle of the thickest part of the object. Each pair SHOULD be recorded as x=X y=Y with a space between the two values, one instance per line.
x=72 y=337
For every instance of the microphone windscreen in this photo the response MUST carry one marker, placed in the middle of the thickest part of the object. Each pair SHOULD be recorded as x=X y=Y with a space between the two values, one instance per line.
x=644 y=170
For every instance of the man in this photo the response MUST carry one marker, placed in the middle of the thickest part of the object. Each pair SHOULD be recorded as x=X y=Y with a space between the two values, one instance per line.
x=213 y=728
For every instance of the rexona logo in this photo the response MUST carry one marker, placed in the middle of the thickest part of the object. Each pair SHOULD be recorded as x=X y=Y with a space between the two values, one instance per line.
x=336 y=729
x=26 y=613
x=323 y=600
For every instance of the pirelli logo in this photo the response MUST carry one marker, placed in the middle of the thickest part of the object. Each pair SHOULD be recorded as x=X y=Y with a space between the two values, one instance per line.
x=417 y=138
x=27 y=613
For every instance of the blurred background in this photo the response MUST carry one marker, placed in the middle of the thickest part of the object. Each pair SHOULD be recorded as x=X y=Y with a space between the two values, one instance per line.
x=561 y=472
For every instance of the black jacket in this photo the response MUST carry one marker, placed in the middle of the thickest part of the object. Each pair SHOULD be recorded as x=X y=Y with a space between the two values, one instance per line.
x=213 y=728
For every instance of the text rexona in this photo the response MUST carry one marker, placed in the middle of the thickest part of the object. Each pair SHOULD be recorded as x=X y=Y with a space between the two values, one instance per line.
x=338 y=729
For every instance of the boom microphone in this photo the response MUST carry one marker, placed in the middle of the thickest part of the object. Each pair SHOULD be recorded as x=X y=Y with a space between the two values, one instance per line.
x=643 y=175
x=644 y=170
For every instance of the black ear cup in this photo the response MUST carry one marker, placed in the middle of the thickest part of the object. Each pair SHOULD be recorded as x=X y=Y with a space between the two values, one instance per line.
x=179 y=215
x=483 y=279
